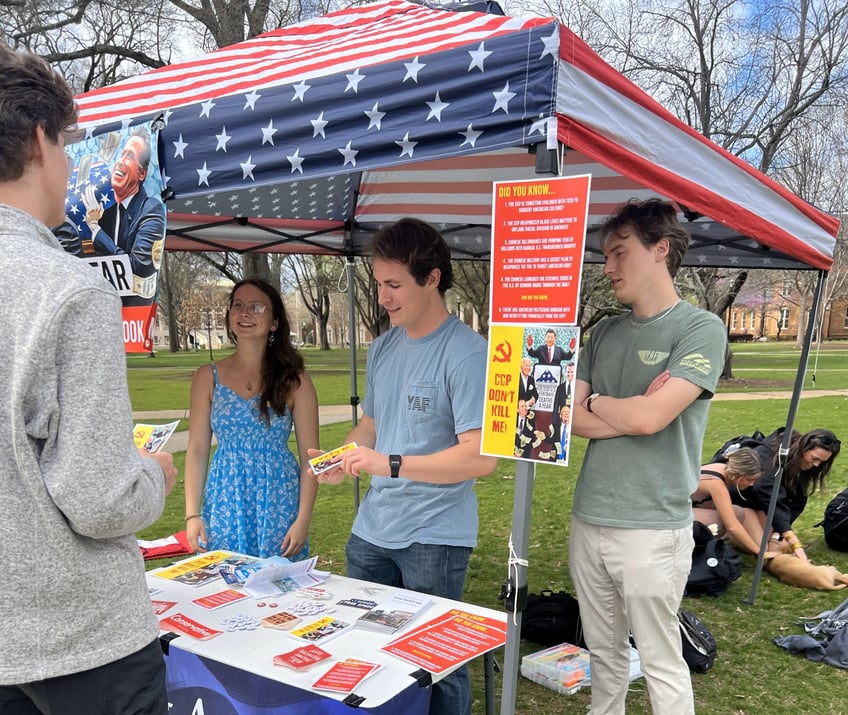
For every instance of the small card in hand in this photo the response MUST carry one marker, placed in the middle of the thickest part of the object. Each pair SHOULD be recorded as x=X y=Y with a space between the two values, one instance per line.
x=328 y=460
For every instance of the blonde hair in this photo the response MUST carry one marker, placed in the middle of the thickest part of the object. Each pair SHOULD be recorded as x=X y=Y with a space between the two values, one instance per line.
x=743 y=464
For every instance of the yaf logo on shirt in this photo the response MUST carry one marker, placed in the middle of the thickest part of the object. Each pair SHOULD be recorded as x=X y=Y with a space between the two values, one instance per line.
x=418 y=403
x=652 y=357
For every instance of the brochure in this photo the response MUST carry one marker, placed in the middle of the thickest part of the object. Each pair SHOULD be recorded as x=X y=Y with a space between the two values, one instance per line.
x=301 y=658
x=321 y=630
x=151 y=438
x=274 y=576
x=344 y=676
x=203 y=568
x=395 y=612
x=448 y=640
x=216 y=600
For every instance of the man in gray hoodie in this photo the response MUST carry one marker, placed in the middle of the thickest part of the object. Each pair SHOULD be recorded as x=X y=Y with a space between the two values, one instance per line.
x=79 y=634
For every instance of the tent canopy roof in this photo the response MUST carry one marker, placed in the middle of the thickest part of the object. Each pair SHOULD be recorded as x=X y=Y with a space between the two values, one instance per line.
x=309 y=137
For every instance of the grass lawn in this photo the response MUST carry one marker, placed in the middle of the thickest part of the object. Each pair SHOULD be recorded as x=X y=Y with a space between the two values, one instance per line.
x=752 y=676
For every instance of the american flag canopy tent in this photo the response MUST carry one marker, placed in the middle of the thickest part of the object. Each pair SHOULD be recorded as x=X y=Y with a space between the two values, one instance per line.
x=307 y=138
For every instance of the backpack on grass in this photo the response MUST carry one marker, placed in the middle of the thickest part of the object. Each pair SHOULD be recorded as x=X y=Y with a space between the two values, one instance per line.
x=715 y=564
x=698 y=643
x=552 y=618
x=835 y=522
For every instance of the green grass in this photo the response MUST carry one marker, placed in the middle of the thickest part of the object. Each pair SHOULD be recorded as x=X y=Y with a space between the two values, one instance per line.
x=164 y=382
x=752 y=676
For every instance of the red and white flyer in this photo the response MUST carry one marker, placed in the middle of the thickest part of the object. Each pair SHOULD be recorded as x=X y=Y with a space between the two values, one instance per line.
x=344 y=676
x=301 y=658
x=448 y=640
x=221 y=598
x=159 y=607
x=185 y=625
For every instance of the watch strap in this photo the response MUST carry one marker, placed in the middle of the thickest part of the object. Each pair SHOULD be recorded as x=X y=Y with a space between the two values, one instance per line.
x=395 y=461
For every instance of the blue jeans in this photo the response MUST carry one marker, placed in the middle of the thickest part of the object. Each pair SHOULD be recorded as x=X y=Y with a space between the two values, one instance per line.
x=428 y=568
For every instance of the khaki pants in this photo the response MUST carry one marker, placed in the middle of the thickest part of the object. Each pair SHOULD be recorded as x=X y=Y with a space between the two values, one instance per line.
x=632 y=581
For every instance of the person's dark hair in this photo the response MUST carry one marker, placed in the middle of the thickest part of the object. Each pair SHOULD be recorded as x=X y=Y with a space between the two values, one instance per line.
x=651 y=221
x=417 y=245
x=31 y=95
x=810 y=480
x=283 y=365
x=144 y=158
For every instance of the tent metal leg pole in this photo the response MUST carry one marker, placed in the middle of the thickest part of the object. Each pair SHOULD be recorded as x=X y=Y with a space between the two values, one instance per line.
x=515 y=589
x=489 y=682
x=787 y=434
x=354 y=394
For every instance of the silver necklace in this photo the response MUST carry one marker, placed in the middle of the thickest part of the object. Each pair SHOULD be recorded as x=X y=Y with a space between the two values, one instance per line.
x=657 y=317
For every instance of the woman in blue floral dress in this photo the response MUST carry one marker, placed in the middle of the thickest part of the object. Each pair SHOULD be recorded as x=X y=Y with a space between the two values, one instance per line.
x=256 y=498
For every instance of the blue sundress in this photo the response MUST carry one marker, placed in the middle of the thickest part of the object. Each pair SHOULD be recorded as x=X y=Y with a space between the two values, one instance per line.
x=253 y=487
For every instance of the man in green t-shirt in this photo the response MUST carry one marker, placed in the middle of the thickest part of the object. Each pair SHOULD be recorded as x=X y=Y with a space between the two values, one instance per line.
x=644 y=381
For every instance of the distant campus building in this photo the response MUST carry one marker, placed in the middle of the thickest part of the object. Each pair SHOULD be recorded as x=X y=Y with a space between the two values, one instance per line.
x=775 y=315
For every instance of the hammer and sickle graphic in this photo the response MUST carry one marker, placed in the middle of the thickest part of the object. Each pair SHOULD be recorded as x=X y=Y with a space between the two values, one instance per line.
x=503 y=352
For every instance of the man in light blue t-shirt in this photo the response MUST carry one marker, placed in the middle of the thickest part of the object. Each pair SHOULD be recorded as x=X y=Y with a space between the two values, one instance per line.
x=644 y=381
x=419 y=436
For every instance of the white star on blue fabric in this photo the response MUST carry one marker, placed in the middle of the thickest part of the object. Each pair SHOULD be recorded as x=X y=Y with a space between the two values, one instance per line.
x=437 y=106
x=502 y=99
x=180 y=147
x=222 y=138
x=250 y=100
x=478 y=57
x=471 y=136
x=296 y=161
x=203 y=175
x=353 y=81
x=375 y=116
x=206 y=109
x=318 y=125
x=300 y=90
x=407 y=146
x=247 y=168
x=539 y=126
x=412 y=69
x=268 y=133
x=551 y=44
x=349 y=155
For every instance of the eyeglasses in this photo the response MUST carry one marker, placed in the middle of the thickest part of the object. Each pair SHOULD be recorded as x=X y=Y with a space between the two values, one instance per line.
x=255 y=308
x=828 y=442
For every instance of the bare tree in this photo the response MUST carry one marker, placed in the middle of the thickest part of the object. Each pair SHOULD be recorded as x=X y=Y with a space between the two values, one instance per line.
x=471 y=284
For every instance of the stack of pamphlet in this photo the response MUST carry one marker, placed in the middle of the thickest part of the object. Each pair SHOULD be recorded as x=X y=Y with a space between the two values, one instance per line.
x=395 y=612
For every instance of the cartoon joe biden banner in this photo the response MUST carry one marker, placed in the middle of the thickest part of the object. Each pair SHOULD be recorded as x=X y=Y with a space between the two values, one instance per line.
x=115 y=221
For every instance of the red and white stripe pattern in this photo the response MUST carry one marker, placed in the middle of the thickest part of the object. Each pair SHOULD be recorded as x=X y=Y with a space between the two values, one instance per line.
x=611 y=120
x=342 y=41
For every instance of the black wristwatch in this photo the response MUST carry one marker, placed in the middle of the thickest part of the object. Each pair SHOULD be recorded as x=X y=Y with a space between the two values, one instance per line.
x=593 y=396
x=394 y=464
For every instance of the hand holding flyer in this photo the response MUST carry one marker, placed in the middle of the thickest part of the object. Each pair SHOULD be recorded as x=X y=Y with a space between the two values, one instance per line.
x=326 y=461
x=151 y=438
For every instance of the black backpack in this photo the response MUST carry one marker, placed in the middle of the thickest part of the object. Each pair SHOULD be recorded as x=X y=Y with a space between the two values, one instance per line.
x=835 y=522
x=715 y=564
x=699 y=645
x=552 y=618
x=757 y=441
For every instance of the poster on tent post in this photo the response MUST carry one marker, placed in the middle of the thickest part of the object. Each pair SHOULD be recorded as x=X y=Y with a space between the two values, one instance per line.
x=115 y=221
x=538 y=236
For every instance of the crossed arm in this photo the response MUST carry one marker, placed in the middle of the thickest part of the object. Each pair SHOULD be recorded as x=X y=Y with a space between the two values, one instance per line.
x=665 y=398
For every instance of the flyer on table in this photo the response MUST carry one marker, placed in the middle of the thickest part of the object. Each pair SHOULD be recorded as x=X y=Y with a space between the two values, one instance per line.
x=538 y=235
x=529 y=391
